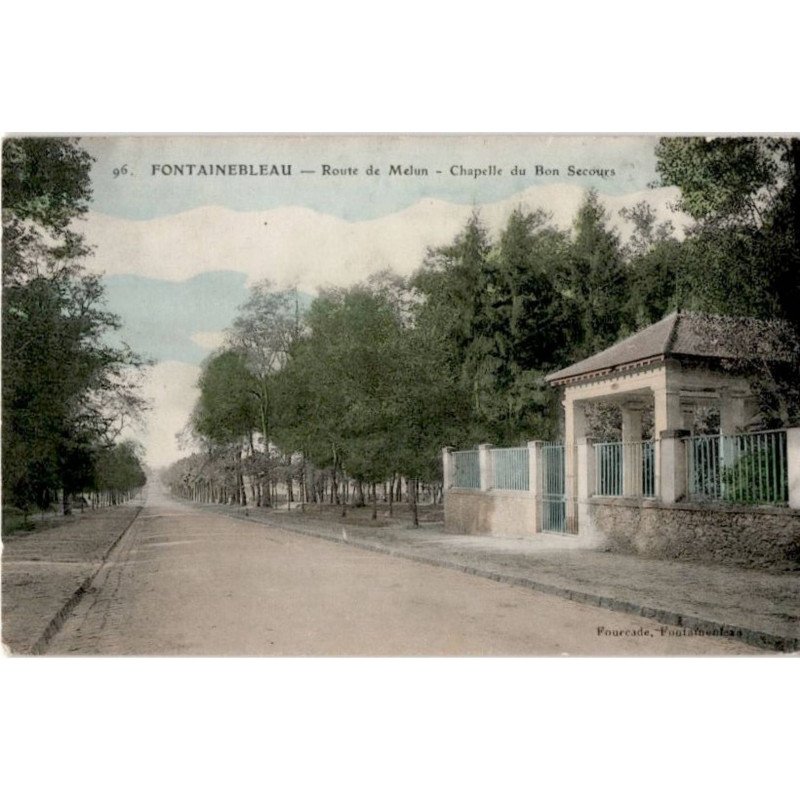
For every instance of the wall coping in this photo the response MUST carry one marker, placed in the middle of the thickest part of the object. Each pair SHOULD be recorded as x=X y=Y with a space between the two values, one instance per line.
x=509 y=493
x=512 y=494
x=718 y=508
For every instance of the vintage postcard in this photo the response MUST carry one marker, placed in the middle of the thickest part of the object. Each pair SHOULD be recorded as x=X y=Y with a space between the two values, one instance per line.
x=451 y=395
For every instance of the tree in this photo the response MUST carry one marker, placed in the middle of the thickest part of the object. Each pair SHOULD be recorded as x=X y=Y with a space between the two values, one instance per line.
x=66 y=392
x=726 y=180
x=429 y=409
x=46 y=181
x=119 y=471
x=497 y=313
x=742 y=254
x=269 y=322
x=654 y=258
x=226 y=409
x=598 y=287
x=451 y=279
x=338 y=382
x=744 y=194
x=366 y=391
x=523 y=336
x=226 y=412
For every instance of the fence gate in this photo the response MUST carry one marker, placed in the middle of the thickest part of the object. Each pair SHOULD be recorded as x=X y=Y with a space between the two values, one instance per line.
x=552 y=489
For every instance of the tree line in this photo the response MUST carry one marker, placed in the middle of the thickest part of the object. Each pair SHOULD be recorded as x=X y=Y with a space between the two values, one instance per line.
x=356 y=394
x=67 y=392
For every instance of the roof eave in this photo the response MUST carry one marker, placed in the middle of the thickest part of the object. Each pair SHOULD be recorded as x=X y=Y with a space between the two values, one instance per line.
x=601 y=373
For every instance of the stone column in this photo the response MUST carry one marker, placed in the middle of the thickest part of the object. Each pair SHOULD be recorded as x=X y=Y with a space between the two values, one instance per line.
x=485 y=463
x=667 y=414
x=574 y=431
x=584 y=456
x=666 y=417
x=671 y=472
x=586 y=467
x=447 y=468
x=632 y=453
x=534 y=478
x=793 y=455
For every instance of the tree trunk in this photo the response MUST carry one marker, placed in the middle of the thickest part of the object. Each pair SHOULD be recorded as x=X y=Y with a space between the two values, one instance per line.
x=412 y=495
x=66 y=503
x=241 y=496
x=264 y=412
x=303 y=482
x=265 y=498
x=335 y=488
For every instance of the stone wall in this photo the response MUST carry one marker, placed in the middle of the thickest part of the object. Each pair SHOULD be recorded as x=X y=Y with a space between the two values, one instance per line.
x=493 y=513
x=764 y=538
x=733 y=535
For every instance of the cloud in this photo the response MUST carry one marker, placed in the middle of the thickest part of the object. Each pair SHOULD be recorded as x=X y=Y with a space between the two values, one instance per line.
x=294 y=245
x=175 y=320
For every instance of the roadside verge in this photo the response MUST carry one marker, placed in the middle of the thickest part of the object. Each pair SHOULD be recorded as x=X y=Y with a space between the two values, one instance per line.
x=46 y=572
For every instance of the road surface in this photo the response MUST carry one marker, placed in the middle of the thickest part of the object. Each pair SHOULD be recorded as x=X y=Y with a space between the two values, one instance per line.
x=184 y=581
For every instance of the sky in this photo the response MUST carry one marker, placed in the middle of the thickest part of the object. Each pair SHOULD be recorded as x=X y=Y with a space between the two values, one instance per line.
x=184 y=226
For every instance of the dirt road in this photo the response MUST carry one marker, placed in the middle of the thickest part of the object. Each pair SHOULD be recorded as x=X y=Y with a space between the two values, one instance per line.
x=187 y=582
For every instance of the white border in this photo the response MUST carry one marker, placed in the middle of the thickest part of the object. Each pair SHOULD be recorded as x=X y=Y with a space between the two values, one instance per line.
x=398 y=728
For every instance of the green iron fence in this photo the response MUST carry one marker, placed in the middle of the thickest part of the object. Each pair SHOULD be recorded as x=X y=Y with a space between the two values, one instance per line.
x=747 y=468
x=511 y=468
x=466 y=469
x=552 y=488
x=625 y=468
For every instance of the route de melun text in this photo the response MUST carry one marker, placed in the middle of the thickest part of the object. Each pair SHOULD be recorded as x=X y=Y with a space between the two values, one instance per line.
x=391 y=170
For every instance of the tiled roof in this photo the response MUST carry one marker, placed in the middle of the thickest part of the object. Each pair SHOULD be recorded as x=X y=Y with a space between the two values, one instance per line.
x=681 y=333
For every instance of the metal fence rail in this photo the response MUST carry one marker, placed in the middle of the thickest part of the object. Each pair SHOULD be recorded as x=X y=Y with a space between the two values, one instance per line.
x=608 y=468
x=624 y=468
x=466 y=469
x=704 y=468
x=748 y=468
x=552 y=488
x=511 y=468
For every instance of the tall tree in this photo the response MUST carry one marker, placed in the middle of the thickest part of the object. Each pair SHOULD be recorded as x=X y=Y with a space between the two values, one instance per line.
x=654 y=259
x=267 y=325
x=742 y=255
x=497 y=310
x=337 y=382
x=452 y=278
x=744 y=195
x=269 y=322
x=526 y=321
x=598 y=282
x=459 y=285
x=226 y=411
x=66 y=392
